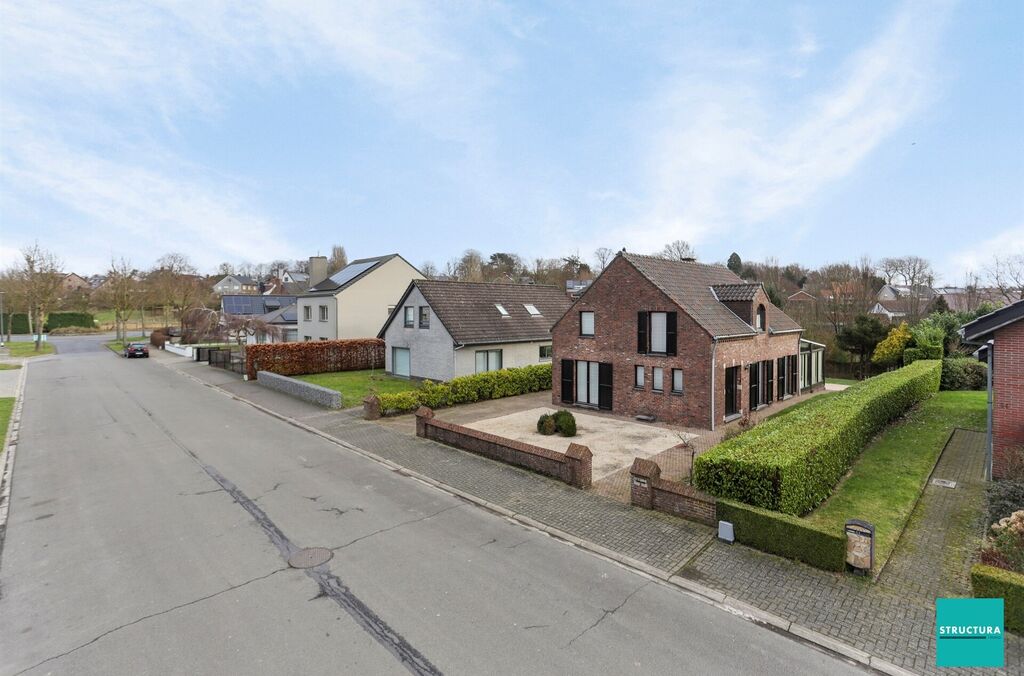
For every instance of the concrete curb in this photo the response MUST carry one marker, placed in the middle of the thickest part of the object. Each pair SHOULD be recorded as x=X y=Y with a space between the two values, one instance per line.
x=11 y=448
x=695 y=589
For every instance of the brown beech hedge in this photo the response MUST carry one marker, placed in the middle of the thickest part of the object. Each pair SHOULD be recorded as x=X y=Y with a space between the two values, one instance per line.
x=322 y=356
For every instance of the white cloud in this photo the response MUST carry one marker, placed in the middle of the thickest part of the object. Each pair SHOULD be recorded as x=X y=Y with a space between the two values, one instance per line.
x=724 y=156
x=979 y=256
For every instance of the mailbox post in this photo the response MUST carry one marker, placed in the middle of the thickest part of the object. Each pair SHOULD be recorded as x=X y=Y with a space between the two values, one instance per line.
x=860 y=546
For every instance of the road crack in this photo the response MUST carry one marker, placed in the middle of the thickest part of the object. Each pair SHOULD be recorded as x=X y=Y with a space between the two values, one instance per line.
x=397 y=525
x=606 y=613
x=151 y=616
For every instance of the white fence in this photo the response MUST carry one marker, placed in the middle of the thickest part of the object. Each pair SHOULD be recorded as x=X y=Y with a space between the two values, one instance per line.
x=180 y=350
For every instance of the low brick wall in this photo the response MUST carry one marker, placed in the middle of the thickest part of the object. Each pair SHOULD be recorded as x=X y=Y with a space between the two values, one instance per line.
x=648 y=490
x=314 y=394
x=573 y=467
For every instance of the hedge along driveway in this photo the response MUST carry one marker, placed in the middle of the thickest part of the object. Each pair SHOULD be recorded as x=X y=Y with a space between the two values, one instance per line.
x=884 y=484
x=791 y=463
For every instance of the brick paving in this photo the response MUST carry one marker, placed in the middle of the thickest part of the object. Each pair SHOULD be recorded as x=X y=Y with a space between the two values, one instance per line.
x=892 y=618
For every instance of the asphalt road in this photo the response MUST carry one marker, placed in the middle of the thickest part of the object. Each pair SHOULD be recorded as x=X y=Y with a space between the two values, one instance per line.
x=152 y=517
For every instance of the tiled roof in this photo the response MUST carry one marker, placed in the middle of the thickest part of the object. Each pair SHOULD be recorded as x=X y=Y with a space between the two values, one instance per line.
x=735 y=292
x=689 y=283
x=467 y=310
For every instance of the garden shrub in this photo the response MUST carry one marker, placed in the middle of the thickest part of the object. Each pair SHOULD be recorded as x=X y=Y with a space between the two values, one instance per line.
x=1004 y=498
x=60 y=320
x=467 y=389
x=565 y=423
x=320 y=356
x=912 y=354
x=546 y=424
x=990 y=582
x=963 y=373
x=790 y=463
x=785 y=535
x=1005 y=548
x=890 y=351
x=18 y=322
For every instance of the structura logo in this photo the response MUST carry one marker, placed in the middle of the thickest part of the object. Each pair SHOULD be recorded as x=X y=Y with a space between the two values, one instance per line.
x=969 y=632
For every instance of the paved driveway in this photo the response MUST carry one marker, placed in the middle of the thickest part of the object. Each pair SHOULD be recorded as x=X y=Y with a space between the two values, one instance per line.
x=151 y=519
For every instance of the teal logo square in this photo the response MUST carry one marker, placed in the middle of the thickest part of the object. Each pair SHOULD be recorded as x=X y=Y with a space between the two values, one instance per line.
x=969 y=633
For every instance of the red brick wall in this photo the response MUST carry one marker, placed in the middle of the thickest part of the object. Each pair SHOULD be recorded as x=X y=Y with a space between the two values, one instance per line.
x=650 y=491
x=573 y=467
x=615 y=298
x=1008 y=395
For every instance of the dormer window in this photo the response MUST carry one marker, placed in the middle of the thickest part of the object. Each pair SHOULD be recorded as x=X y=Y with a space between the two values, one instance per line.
x=501 y=309
x=532 y=309
x=761 y=322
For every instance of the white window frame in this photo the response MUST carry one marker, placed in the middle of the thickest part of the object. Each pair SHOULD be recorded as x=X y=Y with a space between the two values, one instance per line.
x=639 y=381
x=324 y=313
x=540 y=352
x=307 y=313
x=587 y=380
x=489 y=356
x=532 y=309
x=584 y=315
x=678 y=390
x=501 y=309
x=658 y=334
x=658 y=379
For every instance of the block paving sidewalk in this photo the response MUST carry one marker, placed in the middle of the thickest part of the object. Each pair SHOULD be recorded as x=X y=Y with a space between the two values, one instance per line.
x=892 y=618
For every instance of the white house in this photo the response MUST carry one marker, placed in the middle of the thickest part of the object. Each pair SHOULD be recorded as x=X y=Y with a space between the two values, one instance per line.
x=443 y=329
x=355 y=301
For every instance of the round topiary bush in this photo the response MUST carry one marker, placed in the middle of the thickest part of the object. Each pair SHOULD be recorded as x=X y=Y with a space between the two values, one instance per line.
x=963 y=373
x=546 y=425
x=565 y=423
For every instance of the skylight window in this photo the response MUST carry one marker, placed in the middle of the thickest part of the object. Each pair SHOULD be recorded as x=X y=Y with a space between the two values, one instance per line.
x=501 y=309
x=532 y=309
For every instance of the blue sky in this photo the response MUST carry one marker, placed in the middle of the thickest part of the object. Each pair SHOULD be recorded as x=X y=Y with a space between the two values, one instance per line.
x=808 y=132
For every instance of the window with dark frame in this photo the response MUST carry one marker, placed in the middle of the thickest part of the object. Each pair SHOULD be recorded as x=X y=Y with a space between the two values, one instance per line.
x=488 y=360
x=323 y=313
x=409 y=316
x=754 y=395
x=677 y=381
x=732 y=390
x=761 y=318
x=781 y=386
x=587 y=323
x=424 y=317
x=307 y=313
x=545 y=352
x=638 y=378
x=656 y=332
x=658 y=379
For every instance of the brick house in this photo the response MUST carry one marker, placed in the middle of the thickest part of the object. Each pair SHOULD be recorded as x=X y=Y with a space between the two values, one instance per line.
x=1001 y=336
x=682 y=341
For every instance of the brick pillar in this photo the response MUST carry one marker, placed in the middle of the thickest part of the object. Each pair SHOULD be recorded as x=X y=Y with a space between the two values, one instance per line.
x=371 y=407
x=423 y=414
x=580 y=461
x=642 y=476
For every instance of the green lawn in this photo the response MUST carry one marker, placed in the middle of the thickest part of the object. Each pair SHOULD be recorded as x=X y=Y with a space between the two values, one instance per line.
x=355 y=385
x=9 y=367
x=884 y=483
x=26 y=349
x=841 y=381
x=6 y=407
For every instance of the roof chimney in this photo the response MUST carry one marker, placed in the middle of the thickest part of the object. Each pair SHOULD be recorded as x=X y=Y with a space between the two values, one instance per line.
x=317 y=270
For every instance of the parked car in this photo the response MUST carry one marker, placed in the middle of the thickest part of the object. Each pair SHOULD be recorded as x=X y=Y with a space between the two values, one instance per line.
x=136 y=350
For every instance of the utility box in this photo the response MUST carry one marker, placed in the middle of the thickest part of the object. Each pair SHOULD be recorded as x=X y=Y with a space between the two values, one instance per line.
x=860 y=545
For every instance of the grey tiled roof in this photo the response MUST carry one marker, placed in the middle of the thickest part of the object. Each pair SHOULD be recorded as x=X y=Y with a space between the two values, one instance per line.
x=688 y=284
x=735 y=292
x=467 y=310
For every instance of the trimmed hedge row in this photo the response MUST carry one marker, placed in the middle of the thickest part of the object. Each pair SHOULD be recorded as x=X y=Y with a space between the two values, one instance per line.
x=989 y=582
x=60 y=320
x=785 y=535
x=790 y=463
x=19 y=322
x=912 y=354
x=320 y=356
x=963 y=373
x=466 y=389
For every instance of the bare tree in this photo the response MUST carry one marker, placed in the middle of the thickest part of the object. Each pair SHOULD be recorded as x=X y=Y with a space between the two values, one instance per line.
x=121 y=293
x=225 y=269
x=470 y=267
x=604 y=255
x=678 y=250
x=1007 y=275
x=846 y=291
x=174 y=284
x=429 y=270
x=914 y=273
x=40 y=273
x=337 y=260
x=15 y=297
x=243 y=326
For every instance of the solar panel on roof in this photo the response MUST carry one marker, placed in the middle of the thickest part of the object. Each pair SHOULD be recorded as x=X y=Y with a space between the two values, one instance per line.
x=350 y=272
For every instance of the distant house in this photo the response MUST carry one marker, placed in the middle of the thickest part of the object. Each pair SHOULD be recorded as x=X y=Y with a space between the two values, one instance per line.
x=443 y=329
x=896 y=302
x=236 y=284
x=801 y=296
x=250 y=305
x=892 y=310
x=72 y=282
x=681 y=341
x=356 y=300
x=285 y=320
x=294 y=277
x=1001 y=337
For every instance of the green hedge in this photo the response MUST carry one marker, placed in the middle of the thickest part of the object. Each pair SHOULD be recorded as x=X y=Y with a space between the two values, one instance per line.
x=963 y=373
x=467 y=389
x=60 y=320
x=912 y=354
x=790 y=463
x=19 y=322
x=989 y=582
x=785 y=535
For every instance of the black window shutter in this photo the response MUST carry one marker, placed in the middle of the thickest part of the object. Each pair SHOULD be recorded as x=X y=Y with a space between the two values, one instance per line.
x=670 y=333
x=755 y=399
x=604 y=386
x=641 y=332
x=568 y=391
x=769 y=378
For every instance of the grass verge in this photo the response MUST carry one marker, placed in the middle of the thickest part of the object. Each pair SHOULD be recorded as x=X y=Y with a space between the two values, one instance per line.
x=25 y=349
x=883 y=485
x=9 y=367
x=355 y=385
x=6 y=408
x=841 y=381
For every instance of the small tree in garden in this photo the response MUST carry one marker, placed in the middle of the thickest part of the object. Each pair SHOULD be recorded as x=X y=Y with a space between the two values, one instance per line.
x=861 y=337
x=889 y=352
x=201 y=325
x=243 y=326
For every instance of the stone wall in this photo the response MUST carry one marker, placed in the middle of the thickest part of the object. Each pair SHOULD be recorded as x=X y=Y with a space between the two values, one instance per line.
x=650 y=491
x=314 y=394
x=573 y=467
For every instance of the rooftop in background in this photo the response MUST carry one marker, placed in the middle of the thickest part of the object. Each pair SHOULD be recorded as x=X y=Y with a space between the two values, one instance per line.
x=240 y=304
x=350 y=273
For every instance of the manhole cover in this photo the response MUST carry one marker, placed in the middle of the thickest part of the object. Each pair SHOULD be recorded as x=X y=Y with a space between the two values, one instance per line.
x=310 y=557
x=945 y=483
